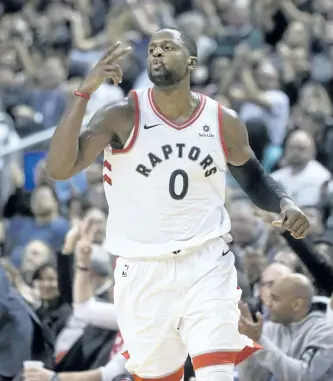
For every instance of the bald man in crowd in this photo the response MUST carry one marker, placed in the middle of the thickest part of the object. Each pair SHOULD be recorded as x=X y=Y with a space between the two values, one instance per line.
x=269 y=276
x=302 y=176
x=298 y=344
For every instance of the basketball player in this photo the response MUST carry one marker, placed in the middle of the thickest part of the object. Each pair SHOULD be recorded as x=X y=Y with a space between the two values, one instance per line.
x=166 y=153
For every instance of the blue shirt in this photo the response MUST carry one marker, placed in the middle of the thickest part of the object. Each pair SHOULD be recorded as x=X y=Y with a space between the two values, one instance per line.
x=16 y=330
x=23 y=230
x=77 y=184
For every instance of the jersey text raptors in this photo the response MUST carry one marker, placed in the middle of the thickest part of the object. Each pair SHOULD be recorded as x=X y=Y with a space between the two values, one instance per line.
x=166 y=188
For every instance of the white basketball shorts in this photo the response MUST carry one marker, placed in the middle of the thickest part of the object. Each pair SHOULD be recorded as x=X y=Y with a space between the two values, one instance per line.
x=185 y=303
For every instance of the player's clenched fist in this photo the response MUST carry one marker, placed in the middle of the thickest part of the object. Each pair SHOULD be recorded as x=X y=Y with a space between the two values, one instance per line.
x=106 y=68
x=294 y=220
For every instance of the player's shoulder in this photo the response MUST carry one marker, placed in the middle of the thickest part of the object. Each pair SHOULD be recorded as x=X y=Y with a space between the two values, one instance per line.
x=230 y=117
x=234 y=130
x=227 y=113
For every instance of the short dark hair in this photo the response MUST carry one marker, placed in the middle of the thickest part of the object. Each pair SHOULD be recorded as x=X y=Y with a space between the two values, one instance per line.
x=187 y=39
x=37 y=274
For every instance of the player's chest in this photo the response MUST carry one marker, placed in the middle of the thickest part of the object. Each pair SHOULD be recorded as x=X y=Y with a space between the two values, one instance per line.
x=195 y=159
x=198 y=153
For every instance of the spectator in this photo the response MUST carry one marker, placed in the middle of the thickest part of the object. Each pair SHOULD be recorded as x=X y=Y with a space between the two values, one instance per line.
x=253 y=262
x=35 y=254
x=239 y=29
x=195 y=20
x=306 y=355
x=52 y=310
x=100 y=314
x=312 y=114
x=288 y=258
x=15 y=327
x=83 y=287
x=322 y=70
x=42 y=341
x=98 y=218
x=114 y=368
x=96 y=197
x=302 y=176
x=49 y=100
x=46 y=225
x=269 y=276
x=248 y=231
x=264 y=99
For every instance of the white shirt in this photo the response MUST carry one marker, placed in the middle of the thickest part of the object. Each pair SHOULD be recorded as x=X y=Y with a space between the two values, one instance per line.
x=304 y=187
x=99 y=314
x=102 y=315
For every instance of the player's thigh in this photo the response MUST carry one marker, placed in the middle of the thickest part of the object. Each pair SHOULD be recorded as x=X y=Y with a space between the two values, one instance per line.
x=209 y=328
x=211 y=316
x=145 y=300
x=157 y=357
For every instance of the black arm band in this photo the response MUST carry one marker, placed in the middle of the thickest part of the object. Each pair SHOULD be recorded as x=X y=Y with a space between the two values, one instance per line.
x=261 y=188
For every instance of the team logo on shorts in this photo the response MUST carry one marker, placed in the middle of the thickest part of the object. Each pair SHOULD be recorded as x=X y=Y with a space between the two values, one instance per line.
x=206 y=132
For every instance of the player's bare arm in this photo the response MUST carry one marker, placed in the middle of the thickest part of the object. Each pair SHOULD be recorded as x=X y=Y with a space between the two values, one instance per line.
x=261 y=188
x=72 y=151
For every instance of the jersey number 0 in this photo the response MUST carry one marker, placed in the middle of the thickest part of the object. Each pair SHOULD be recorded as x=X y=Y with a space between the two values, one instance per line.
x=172 y=181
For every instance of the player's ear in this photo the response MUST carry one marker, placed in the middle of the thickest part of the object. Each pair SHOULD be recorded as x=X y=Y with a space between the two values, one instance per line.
x=192 y=63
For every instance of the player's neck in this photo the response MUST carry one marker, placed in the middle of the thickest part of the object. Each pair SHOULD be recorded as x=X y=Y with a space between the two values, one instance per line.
x=174 y=102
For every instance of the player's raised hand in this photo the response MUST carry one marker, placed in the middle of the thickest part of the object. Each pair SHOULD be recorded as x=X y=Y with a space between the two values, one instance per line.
x=106 y=68
x=294 y=220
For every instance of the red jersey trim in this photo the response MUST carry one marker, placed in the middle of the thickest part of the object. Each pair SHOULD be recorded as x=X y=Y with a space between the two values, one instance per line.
x=107 y=177
x=107 y=165
x=220 y=120
x=136 y=127
x=197 y=112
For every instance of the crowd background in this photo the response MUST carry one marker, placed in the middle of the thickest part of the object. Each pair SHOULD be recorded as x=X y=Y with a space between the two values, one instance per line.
x=270 y=60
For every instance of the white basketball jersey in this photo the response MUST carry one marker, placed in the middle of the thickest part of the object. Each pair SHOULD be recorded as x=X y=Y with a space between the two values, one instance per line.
x=166 y=188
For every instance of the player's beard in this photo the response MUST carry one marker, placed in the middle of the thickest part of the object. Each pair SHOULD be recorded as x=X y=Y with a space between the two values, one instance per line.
x=164 y=77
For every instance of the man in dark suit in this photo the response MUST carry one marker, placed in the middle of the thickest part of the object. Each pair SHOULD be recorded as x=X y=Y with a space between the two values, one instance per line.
x=16 y=330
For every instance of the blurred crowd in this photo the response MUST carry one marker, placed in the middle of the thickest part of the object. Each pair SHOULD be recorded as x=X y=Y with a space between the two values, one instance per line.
x=271 y=61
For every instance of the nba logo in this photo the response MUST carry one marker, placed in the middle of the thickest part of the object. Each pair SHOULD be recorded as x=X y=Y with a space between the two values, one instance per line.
x=124 y=273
